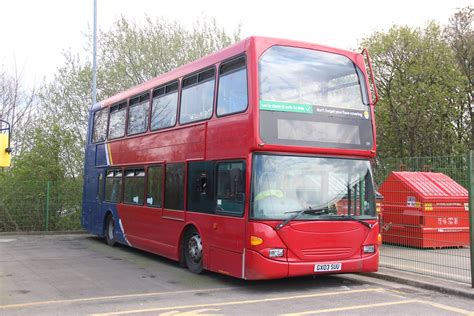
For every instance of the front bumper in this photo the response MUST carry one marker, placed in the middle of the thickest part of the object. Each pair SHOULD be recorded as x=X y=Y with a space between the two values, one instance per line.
x=258 y=267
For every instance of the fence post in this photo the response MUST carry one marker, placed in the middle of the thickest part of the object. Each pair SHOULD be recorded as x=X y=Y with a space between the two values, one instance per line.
x=48 y=194
x=471 y=209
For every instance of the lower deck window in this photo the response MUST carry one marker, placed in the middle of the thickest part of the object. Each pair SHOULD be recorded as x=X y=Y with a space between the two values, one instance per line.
x=134 y=186
x=174 y=186
x=216 y=187
x=113 y=185
x=154 y=188
x=230 y=187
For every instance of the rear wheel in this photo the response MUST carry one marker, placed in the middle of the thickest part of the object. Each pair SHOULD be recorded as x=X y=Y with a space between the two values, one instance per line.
x=110 y=231
x=192 y=246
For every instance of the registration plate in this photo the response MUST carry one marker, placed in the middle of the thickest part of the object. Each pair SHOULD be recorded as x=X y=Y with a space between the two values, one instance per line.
x=327 y=267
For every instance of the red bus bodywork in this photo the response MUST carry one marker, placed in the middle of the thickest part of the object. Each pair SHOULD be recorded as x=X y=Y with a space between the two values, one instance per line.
x=226 y=240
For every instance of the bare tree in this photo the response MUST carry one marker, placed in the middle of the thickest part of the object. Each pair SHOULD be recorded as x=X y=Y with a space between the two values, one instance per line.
x=16 y=106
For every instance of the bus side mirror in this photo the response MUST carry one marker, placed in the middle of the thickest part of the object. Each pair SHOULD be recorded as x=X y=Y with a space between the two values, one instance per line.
x=375 y=96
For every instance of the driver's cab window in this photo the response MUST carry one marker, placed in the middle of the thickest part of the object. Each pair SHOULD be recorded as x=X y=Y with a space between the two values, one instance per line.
x=230 y=188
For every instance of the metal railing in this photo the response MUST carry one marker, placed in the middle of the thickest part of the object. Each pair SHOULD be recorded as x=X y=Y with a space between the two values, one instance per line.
x=425 y=216
x=426 y=236
x=27 y=206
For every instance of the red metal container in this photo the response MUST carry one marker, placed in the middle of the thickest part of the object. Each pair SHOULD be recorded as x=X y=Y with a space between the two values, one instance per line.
x=424 y=210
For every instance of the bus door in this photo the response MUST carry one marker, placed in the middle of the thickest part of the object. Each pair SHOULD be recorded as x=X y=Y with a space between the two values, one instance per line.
x=217 y=188
x=5 y=149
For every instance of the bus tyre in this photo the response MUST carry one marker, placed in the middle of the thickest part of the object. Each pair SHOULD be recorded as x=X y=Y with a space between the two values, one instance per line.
x=192 y=245
x=110 y=231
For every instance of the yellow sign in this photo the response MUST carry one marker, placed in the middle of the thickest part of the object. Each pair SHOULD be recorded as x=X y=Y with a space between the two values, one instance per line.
x=5 y=157
x=428 y=206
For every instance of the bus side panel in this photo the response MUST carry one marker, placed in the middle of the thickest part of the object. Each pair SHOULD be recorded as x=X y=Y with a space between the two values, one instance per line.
x=146 y=228
x=111 y=208
x=226 y=245
x=90 y=206
x=228 y=137
x=94 y=210
x=222 y=238
x=170 y=232
x=185 y=143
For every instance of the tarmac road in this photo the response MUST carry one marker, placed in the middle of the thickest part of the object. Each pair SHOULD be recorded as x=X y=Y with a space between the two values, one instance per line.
x=80 y=275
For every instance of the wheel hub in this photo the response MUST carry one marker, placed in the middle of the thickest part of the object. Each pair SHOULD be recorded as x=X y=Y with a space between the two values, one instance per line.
x=195 y=248
x=110 y=231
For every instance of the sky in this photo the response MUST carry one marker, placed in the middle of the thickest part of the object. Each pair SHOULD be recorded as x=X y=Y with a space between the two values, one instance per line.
x=33 y=34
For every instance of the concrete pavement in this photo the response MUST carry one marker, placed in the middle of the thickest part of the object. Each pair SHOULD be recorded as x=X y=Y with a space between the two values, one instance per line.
x=80 y=275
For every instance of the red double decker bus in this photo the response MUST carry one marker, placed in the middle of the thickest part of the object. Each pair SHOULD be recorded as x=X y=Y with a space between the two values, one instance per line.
x=252 y=162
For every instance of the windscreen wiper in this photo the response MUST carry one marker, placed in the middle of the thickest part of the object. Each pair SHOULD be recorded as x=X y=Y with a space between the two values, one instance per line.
x=357 y=220
x=308 y=210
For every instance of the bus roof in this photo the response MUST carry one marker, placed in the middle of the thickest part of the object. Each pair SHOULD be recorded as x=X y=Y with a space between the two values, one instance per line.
x=211 y=59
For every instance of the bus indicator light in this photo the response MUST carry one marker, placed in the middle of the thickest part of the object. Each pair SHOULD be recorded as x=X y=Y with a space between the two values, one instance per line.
x=256 y=241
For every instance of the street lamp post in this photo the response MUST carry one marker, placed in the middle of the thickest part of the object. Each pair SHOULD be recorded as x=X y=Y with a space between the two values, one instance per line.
x=94 y=57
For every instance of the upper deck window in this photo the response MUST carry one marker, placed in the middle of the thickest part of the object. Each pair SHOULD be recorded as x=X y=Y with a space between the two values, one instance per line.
x=117 y=120
x=232 y=92
x=308 y=77
x=100 y=125
x=138 y=114
x=313 y=98
x=165 y=103
x=197 y=97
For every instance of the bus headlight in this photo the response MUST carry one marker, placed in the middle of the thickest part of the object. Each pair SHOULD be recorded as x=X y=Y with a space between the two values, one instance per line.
x=276 y=252
x=369 y=249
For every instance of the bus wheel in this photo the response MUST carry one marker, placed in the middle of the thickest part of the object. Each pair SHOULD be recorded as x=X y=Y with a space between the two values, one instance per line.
x=193 y=250
x=110 y=231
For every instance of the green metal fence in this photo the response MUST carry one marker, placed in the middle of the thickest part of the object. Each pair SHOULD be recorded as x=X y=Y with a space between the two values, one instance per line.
x=40 y=206
x=455 y=167
x=425 y=217
x=420 y=236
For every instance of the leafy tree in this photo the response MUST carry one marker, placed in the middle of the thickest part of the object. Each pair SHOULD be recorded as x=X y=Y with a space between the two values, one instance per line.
x=129 y=54
x=66 y=101
x=55 y=128
x=23 y=189
x=418 y=80
x=460 y=35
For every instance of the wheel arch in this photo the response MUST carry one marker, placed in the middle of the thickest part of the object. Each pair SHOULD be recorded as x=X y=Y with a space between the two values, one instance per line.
x=104 y=220
x=187 y=227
